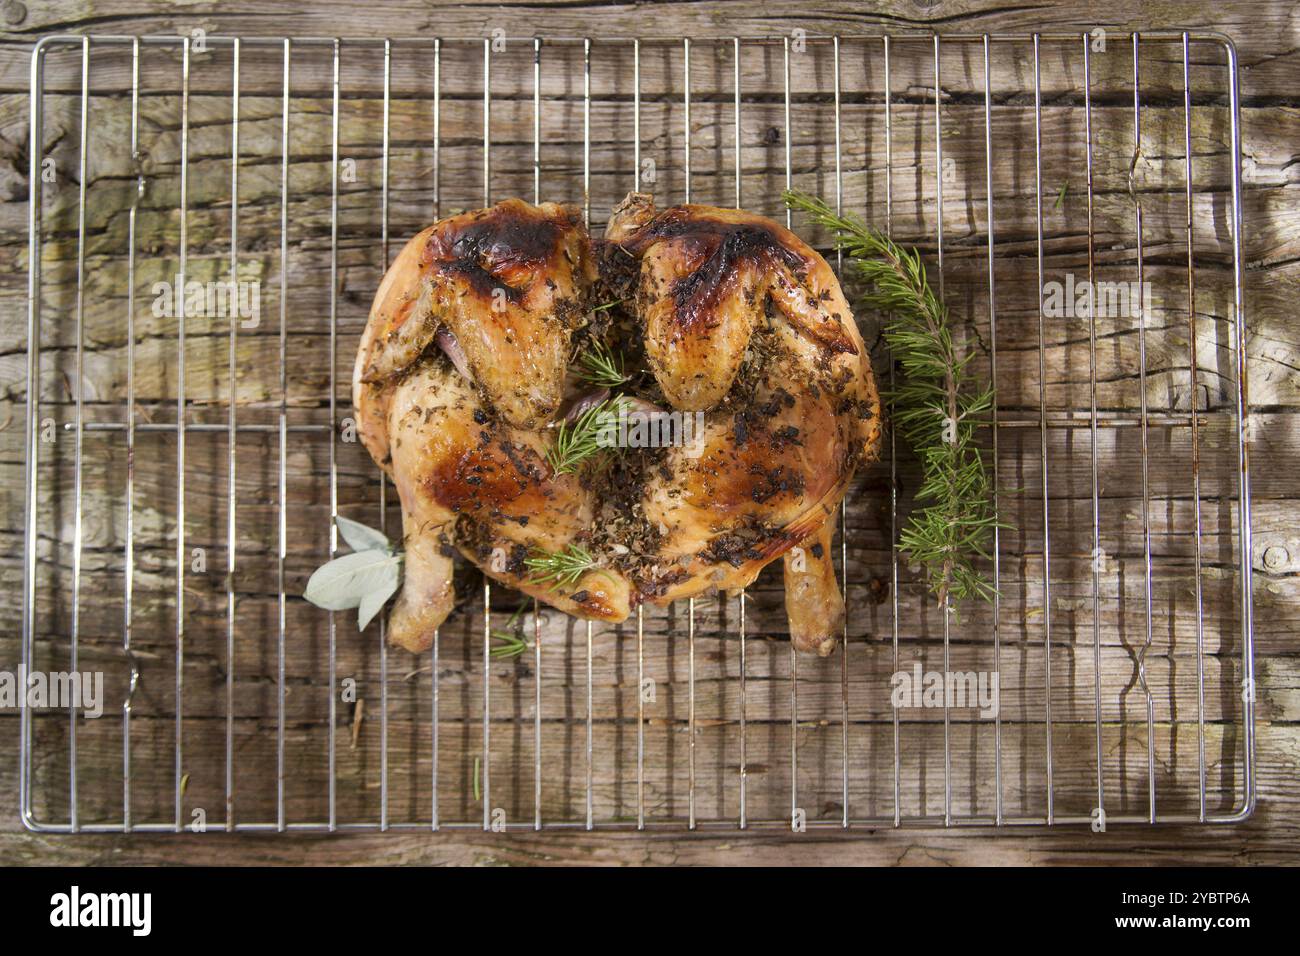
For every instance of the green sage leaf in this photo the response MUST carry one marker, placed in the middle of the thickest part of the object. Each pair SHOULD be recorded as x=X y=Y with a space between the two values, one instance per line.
x=361 y=537
x=344 y=582
x=374 y=602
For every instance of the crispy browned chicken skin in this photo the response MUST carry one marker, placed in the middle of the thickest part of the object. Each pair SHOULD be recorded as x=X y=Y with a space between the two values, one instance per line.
x=740 y=322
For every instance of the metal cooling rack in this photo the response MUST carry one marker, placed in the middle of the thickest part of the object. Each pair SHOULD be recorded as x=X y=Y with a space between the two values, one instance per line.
x=866 y=774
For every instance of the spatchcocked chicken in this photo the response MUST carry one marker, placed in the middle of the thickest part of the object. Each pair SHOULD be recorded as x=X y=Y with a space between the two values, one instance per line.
x=734 y=402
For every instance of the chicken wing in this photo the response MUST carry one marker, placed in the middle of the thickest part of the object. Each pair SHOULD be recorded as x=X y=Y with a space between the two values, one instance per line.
x=508 y=284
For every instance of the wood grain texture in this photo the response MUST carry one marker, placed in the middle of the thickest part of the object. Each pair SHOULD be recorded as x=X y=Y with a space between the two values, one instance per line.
x=1266 y=35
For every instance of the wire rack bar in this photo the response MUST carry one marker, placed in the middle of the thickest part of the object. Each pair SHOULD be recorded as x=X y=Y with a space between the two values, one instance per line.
x=996 y=547
x=486 y=772
x=586 y=218
x=738 y=156
x=1055 y=421
x=918 y=822
x=333 y=460
x=128 y=556
x=1042 y=404
x=691 y=729
x=845 y=757
x=640 y=611
x=77 y=493
x=1192 y=388
x=1150 y=37
x=537 y=618
x=232 y=425
x=282 y=460
x=893 y=449
x=435 y=713
x=178 y=772
x=945 y=608
x=1092 y=422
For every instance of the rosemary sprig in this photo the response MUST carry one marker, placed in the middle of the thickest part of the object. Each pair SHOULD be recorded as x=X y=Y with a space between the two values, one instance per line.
x=934 y=408
x=578 y=440
x=561 y=568
x=598 y=365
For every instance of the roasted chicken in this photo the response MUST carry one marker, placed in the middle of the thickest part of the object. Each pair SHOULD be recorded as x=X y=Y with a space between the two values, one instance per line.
x=735 y=342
